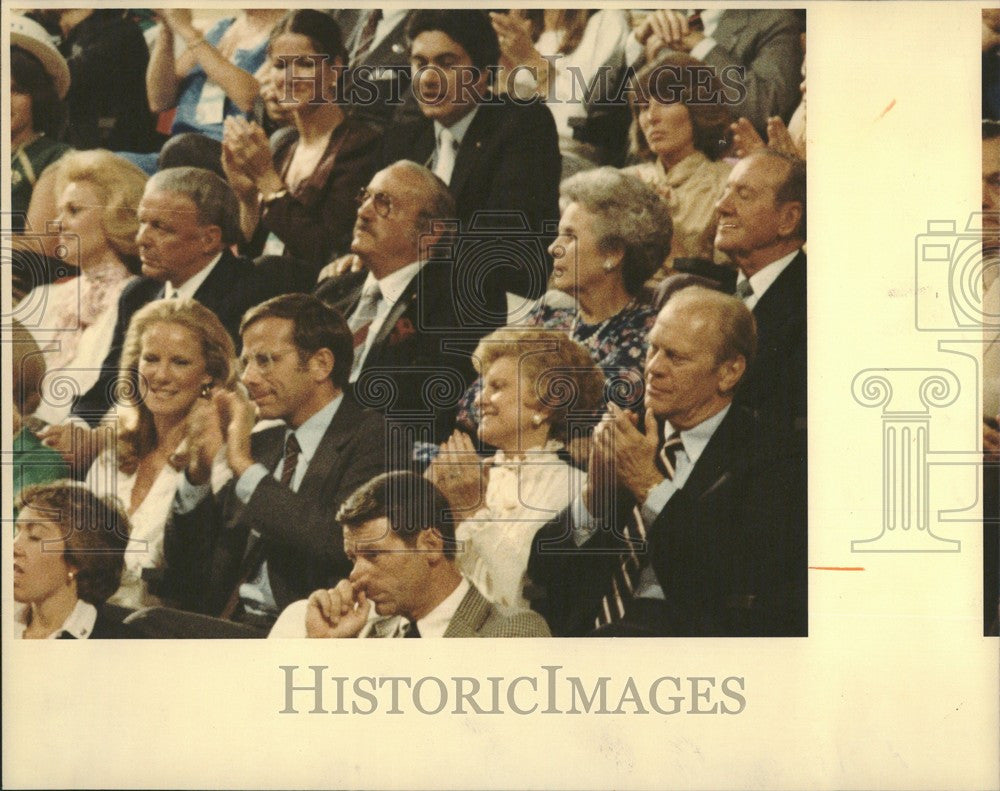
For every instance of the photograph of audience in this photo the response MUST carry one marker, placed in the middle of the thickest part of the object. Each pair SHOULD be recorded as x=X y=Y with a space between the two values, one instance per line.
x=474 y=283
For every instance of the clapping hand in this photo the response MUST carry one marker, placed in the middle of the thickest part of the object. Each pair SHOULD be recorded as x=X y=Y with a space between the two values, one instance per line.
x=623 y=453
x=204 y=439
x=514 y=34
x=667 y=28
x=746 y=140
x=460 y=474
x=246 y=149
x=337 y=612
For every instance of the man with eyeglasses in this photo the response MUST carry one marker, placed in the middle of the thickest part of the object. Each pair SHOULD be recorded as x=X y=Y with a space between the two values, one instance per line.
x=414 y=322
x=268 y=536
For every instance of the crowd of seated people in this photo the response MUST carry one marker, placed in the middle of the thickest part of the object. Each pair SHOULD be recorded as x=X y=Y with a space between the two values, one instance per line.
x=396 y=335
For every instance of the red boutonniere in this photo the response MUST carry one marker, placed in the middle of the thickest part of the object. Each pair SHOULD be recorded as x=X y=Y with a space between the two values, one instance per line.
x=401 y=331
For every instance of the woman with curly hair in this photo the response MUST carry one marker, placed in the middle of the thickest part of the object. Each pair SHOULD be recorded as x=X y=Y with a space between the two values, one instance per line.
x=176 y=351
x=614 y=233
x=540 y=389
x=68 y=551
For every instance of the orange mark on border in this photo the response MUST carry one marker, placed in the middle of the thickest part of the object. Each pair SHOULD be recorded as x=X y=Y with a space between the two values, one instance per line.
x=838 y=568
x=882 y=114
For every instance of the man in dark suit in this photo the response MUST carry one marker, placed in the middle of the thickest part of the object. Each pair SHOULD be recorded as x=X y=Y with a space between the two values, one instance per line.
x=693 y=523
x=188 y=217
x=499 y=158
x=400 y=534
x=762 y=228
x=756 y=53
x=268 y=536
x=415 y=320
x=378 y=77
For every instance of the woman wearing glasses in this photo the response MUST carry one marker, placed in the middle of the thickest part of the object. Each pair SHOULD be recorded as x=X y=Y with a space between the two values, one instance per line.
x=297 y=200
x=176 y=351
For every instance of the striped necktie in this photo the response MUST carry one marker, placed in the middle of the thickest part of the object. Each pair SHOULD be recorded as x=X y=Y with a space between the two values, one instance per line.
x=367 y=37
x=625 y=578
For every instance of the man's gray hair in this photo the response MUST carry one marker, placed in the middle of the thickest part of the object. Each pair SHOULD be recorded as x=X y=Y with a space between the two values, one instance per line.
x=437 y=202
x=214 y=200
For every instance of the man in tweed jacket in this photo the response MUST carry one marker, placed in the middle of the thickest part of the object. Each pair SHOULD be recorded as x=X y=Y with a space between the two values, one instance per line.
x=400 y=534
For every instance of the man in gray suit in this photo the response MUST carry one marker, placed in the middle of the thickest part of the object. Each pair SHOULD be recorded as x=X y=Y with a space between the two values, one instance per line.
x=400 y=533
x=763 y=44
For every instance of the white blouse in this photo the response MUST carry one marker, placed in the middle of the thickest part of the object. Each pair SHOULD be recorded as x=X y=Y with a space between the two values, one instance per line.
x=73 y=323
x=603 y=38
x=521 y=496
x=145 y=544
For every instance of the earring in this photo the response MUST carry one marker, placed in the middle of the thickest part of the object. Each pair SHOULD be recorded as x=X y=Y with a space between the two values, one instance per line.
x=206 y=390
x=536 y=420
x=70 y=575
x=608 y=266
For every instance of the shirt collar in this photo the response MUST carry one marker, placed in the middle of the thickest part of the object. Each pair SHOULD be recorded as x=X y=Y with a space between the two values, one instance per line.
x=310 y=433
x=187 y=289
x=393 y=285
x=696 y=439
x=762 y=280
x=457 y=129
x=435 y=623
x=79 y=623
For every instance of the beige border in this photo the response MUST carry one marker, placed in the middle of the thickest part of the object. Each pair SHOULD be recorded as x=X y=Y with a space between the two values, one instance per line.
x=895 y=687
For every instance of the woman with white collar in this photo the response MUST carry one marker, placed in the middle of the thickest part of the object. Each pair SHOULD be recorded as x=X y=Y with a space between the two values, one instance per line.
x=539 y=389
x=69 y=547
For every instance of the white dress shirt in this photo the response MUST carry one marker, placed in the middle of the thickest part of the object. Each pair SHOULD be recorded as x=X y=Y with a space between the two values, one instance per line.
x=187 y=289
x=392 y=287
x=761 y=281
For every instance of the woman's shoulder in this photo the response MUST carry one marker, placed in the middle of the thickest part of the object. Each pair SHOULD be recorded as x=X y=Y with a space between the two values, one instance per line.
x=358 y=136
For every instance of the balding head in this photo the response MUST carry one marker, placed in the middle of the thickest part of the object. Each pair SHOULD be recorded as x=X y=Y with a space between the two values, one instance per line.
x=396 y=218
x=762 y=213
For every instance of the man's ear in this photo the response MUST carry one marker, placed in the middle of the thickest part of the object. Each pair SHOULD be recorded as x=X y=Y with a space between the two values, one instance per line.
x=790 y=214
x=211 y=238
x=730 y=373
x=430 y=542
x=321 y=364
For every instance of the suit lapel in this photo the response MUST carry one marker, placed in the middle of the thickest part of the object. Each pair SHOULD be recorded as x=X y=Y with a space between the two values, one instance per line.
x=406 y=300
x=715 y=461
x=786 y=296
x=470 y=616
x=330 y=447
x=219 y=281
x=731 y=23
x=470 y=150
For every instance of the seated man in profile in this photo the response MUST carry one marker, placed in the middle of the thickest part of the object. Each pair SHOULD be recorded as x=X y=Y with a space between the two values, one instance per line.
x=400 y=534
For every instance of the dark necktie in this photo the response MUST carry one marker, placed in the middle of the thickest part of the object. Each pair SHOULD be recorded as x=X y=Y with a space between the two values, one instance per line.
x=255 y=545
x=413 y=631
x=695 y=22
x=292 y=451
x=367 y=37
x=625 y=578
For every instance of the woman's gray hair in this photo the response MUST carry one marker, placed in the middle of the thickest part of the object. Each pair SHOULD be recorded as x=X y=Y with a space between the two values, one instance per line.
x=628 y=216
x=214 y=200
